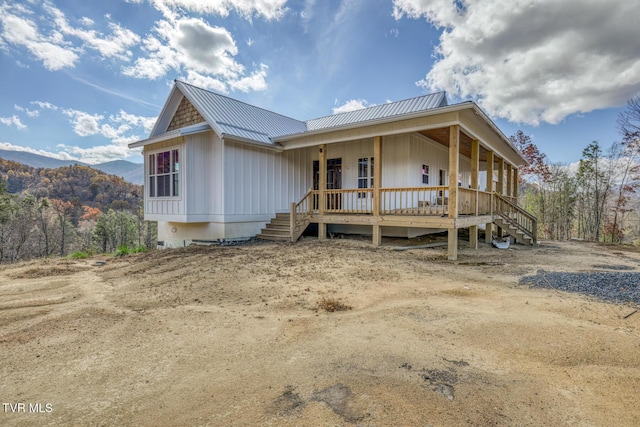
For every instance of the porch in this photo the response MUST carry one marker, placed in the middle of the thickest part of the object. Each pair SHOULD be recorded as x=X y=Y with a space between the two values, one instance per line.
x=412 y=207
x=458 y=201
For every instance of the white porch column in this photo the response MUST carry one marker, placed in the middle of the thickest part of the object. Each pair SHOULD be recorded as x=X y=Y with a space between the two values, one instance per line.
x=454 y=162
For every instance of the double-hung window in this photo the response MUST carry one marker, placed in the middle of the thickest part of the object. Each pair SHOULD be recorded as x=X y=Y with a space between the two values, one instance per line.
x=365 y=174
x=425 y=174
x=164 y=174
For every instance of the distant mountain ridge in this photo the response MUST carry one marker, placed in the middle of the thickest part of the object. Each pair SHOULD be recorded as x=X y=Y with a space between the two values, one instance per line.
x=129 y=171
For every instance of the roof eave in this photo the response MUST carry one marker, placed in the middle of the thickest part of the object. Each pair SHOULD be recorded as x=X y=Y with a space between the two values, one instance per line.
x=177 y=133
x=260 y=144
x=439 y=110
x=496 y=129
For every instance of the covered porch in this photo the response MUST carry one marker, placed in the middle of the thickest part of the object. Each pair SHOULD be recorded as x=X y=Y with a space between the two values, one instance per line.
x=451 y=207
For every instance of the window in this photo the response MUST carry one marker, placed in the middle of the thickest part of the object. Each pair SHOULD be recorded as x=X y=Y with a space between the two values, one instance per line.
x=365 y=174
x=425 y=174
x=164 y=174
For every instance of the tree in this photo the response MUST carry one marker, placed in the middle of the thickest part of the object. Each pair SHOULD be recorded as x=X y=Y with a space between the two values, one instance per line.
x=64 y=211
x=537 y=166
x=629 y=120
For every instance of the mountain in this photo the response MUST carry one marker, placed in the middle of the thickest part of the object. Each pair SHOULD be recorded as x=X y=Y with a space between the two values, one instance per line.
x=80 y=185
x=129 y=171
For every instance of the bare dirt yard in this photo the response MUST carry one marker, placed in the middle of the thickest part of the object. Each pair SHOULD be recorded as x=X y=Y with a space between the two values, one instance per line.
x=221 y=336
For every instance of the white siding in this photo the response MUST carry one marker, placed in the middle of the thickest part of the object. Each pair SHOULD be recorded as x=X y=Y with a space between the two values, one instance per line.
x=263 y=182
x=163 y=206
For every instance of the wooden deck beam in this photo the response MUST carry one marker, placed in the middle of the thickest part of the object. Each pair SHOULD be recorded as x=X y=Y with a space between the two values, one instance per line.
x=322 y=185
x=454 y=166
x=489 y=224
x=475 y=168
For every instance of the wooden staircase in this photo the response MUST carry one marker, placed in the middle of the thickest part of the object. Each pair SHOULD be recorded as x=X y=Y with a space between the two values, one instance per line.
x=517 y=222
x=509 y=226
x=277 y=229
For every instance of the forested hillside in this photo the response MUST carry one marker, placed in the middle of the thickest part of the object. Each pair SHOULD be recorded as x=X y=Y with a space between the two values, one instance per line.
x=78 y=184
x=71 y=209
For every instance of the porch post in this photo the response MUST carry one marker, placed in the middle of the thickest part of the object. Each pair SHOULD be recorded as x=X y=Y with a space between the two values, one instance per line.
x=454 y=161
x=377 y=183
x=489 y=225
x=515 y=184
x=500 y=188
x=475 y=167
x=509 y=180
x=322 y=186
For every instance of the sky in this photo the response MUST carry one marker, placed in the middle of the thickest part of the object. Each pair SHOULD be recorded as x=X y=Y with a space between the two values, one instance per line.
x=83 y=79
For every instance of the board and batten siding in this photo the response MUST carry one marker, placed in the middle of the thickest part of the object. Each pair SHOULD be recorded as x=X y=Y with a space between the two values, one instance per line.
x=204 y=174
x=262 y=182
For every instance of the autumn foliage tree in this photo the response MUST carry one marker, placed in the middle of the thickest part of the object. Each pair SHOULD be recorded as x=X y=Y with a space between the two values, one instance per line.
x=537 y=166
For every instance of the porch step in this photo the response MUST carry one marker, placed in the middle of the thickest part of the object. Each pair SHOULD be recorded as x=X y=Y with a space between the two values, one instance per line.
x=277 y=229
x=513 y=231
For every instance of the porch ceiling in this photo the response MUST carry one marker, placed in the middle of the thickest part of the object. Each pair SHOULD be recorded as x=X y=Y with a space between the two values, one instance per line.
x=441 y=136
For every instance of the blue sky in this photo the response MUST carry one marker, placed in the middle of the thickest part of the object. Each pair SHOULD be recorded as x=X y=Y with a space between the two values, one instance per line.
x=82 y=79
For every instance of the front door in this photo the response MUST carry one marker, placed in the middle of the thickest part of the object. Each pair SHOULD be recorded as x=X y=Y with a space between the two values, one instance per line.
x=334 y=182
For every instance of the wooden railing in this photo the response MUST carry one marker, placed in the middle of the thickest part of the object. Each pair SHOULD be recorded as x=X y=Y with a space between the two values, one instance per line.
x=484 y=203
x=358 y=201
x=516 y=216
x=415 y=201
x=299 y=214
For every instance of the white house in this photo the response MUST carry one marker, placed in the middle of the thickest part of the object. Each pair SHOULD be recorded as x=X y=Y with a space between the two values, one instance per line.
x=218 y=168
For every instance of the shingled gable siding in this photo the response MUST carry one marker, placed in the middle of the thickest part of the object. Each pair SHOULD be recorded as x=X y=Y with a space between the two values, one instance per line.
x=186 y=115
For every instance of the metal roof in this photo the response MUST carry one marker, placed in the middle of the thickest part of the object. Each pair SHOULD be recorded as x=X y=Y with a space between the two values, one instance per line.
x=233 y=118
x=236 y=118
x=377 y=112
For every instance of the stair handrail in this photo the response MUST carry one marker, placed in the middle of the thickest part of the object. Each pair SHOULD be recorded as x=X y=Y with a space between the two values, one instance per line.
x=299 y=215
x=525 y=221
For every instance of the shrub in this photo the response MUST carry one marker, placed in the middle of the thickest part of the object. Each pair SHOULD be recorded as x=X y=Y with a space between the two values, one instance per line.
x=123 y=250
x=78 y=255
x=138 y=249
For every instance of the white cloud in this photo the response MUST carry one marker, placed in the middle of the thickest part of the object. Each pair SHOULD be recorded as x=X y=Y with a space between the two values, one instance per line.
x=13 y=121
x=206 y=53
x=45 y=105
x=87 y=22
x=84 y=124
x=533 y=61
x=115 y=45
x=30 y=113
x=256 y=81
x=132 y=120
x=351 y=105
x=268 y=9
x=53 y=51
x=206 y=82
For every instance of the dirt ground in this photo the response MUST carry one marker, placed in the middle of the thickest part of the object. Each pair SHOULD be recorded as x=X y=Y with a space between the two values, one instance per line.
x=219 y=336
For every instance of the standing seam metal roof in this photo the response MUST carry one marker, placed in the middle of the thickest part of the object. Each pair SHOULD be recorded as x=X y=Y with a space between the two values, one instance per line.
x=236 y=118
x=399 y=108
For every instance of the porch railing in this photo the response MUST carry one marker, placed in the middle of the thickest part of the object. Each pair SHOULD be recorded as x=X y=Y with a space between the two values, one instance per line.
x=415 y=200
x=299 y=214
x=516 y=216
x=358 y=201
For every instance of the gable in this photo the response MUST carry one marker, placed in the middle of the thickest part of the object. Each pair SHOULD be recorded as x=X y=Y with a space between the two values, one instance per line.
x=185 y=115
